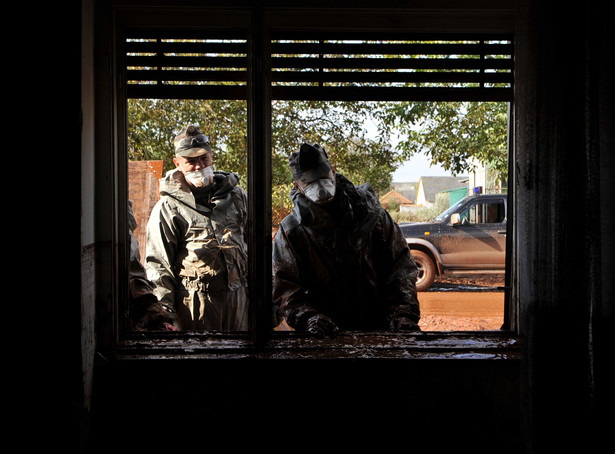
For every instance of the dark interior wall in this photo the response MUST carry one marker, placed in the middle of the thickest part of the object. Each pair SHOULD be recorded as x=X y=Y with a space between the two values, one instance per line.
x=309 y=404
x=601 y=150
x=564 y=165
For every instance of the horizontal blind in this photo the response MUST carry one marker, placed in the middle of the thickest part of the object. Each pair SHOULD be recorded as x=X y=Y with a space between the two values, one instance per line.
x=315 y=66
x=385 y=67
x=182 y=65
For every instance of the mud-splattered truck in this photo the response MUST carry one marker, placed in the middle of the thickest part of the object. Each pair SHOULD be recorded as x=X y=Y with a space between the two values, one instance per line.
x=469 y=237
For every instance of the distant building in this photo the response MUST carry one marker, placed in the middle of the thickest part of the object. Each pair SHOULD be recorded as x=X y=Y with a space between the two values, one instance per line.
x=484 y=180
x=394 y=197
x=455 y=195
x=408 y=190
x=430 y=186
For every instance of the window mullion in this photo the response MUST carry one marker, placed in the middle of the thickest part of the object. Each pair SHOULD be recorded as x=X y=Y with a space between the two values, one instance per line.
x=259 y=182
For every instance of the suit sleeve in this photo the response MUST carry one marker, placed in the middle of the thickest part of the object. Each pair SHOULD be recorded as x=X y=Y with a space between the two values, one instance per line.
x=288 y=292
x=161 y=250
x=400 y=272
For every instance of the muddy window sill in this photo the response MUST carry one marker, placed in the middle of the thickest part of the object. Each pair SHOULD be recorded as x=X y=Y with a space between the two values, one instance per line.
x=484 y=345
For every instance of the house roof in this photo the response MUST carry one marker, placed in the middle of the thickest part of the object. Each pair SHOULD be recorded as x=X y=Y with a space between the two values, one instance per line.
x=408 y=189
x=396 y=197
x=433 y=185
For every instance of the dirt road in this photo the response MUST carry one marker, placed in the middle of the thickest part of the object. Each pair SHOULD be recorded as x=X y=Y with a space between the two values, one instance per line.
x=454 y=311
x=463 y=304
x=459 y=304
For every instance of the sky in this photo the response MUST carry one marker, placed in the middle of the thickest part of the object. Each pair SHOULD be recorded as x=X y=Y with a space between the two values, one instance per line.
x=411 y=171
x=418 y=166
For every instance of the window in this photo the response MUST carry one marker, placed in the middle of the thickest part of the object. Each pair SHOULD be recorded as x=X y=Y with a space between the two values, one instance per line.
x=174 y=79
x=484 y=213
x=183 y=61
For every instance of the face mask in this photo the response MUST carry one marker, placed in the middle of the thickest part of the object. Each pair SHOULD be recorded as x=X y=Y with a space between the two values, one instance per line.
x=201 y=178
x=320 y=191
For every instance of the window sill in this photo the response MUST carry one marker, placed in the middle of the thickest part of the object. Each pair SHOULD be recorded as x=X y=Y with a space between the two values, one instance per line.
x=466 y=345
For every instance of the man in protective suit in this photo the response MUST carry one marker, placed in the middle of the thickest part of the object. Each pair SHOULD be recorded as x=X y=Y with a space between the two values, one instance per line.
x=196 y=251
x=339 y=260
x=144 y=310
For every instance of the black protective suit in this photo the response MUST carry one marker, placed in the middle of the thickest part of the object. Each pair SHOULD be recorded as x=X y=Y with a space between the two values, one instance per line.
x=347 y=260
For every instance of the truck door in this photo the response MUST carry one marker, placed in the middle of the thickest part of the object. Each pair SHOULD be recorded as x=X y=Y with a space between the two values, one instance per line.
x=479 y=240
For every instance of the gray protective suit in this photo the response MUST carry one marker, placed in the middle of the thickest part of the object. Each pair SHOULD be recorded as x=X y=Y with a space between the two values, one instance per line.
x=196 y=253
x=348 y=261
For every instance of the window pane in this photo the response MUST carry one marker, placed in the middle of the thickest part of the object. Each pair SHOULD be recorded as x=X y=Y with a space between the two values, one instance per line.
x=354 y=135
x=484 y=213
x=194 y=249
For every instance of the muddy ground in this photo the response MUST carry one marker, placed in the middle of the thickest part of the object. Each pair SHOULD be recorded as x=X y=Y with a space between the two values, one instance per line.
x=484 y=313
x=485 y=281
x=459 y=289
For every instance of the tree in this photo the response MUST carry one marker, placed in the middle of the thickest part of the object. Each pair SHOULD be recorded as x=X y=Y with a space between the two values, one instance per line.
x=152 y=124
x=452 y=133
x=338 y=126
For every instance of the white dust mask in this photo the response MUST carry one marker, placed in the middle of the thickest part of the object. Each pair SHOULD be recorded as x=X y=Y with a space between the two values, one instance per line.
x=201 y=178
x=320 y=191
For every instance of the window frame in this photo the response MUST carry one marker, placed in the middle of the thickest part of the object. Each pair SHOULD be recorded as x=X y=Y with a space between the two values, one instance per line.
x=260 y=341
x=483 y=212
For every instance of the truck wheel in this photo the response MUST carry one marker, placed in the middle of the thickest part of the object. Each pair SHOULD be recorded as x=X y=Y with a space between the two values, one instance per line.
x=427 y=270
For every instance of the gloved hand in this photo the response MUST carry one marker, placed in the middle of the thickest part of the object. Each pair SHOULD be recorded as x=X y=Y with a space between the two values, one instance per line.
x=321 y=326
x=159 y=319
x=153 y=316
x=402 y=323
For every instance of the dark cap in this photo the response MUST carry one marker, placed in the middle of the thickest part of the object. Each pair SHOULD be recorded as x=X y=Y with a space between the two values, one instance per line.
x=191 y=142
x=310 y=163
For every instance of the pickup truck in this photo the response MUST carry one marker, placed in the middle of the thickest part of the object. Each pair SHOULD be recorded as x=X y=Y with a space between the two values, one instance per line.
x=469 y=237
